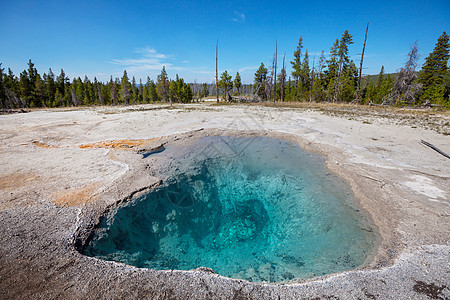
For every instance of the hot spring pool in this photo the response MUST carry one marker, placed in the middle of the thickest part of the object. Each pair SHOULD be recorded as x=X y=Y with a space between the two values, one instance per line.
x=252 y=208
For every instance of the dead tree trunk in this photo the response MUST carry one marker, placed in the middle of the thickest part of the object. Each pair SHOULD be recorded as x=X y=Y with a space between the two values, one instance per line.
x=361 y=65
x=283 y=78
x=275 y=72
x=217 y=74
x=312 y=80
x=270 y=83
x=435 y=148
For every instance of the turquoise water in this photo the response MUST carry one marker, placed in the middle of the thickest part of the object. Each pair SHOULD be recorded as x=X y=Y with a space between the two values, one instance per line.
x=253 y=208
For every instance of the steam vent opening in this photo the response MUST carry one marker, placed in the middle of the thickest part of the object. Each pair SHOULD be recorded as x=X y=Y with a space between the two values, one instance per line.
x=253 y=208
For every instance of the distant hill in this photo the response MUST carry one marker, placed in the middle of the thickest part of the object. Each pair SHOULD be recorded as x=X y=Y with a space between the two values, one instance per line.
x=373 y=78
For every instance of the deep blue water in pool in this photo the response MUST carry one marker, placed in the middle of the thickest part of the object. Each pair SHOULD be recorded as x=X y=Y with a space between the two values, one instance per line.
x=253 y=208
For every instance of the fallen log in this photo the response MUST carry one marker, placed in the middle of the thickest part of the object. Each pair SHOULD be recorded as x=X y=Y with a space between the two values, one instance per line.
x=435 y=148
x=245 y=99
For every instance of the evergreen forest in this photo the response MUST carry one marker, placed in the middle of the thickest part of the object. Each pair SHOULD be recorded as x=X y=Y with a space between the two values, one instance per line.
x=333 y=77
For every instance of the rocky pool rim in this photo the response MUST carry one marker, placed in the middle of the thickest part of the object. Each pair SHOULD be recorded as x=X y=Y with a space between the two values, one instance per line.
x=384 y=253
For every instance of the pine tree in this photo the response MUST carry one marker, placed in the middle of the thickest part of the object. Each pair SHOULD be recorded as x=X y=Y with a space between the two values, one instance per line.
x=32 y=75
x=79 y=93
x=341 y=72
x=332 y=63
x=58 y=98
x=317 y=93
x=434 y=71
x=39 y=91
x=187 y=92
x=106 y=93
x=296 y=63
x=225 y=84
x=380 y=77
x=237 y=82
x=370 y=93
x=305 y=80
x=342 y=84
x=140 y=92
x=162 y=86
x=32 y=72
x=378 y=96
x=125 y=89
x=260 y=82
x=282 y=81
x=98 y=92
x=89 y=92
x=385 y=88
x=205 y=91
x=280 y=89
x=61 y=81
x=145 y=95
x=134 y=91
x=50 y=88
x=348 y=81
x=152 y=92
x=25 y=89
x=173 y=93
x=290 y=90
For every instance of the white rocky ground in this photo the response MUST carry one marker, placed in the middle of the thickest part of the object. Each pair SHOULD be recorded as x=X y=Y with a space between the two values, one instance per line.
x=61 y=169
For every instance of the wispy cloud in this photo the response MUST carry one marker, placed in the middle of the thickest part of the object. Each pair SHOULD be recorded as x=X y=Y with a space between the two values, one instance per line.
x=316 y=53
x=239 y=17
x=204 y=72
x=250 y=68
x=150 y=52
x=148 y=60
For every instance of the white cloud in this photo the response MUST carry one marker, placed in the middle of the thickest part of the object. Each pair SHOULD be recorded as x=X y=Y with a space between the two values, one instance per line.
x=311 y=54
x=150 y=52
x=205 y=72
x=250 y=68
x=149 y=62
x=149 y=59
x=239 y=17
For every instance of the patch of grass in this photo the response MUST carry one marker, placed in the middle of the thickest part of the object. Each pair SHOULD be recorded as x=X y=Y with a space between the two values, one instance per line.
x=189 y=109
x=430 y=119
x=121 y=110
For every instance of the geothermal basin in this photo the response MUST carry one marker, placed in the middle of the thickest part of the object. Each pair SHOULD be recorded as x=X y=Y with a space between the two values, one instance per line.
x=253 y=208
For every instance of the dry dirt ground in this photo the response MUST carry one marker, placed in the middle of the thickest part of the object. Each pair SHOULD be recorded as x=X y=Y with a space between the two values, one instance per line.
x=61 y=169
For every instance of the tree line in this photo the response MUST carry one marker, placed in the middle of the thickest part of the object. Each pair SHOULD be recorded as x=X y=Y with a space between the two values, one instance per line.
x=31 y=89
x=332 y=78
x=335 y=78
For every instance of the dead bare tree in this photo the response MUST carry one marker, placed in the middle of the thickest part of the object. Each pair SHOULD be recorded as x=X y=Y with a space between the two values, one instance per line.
x=283 y=78
x=271 y=80
x=75 y=100
x=275 y=58
x=217 y=74
x=405 y=89
x=361 y=65
x=12 y=100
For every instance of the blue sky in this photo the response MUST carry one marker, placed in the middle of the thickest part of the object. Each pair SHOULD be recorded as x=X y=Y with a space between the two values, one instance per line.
x=102 y=38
